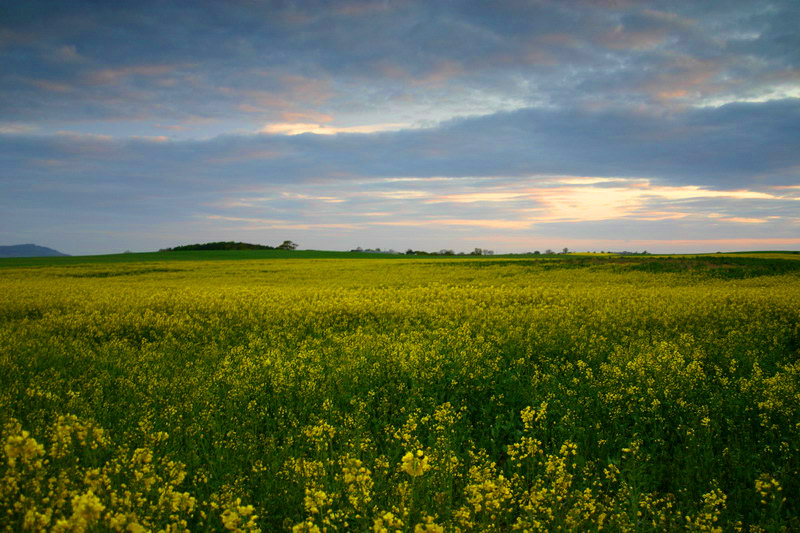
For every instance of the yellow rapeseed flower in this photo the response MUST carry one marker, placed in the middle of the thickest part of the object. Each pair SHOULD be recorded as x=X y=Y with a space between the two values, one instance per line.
x=415 y=464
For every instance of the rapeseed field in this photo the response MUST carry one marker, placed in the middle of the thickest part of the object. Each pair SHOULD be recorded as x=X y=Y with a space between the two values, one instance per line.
x=400 y=395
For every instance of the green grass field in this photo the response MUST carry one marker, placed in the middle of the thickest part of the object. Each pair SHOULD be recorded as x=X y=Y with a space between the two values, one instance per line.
x=214 y=255
x=236 y=255
x=201 y=391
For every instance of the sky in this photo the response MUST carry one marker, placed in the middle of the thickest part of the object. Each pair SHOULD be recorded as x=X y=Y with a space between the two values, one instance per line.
x=507 y=125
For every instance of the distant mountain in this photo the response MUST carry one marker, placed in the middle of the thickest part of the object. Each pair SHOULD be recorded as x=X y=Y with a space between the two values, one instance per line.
x=28 y=250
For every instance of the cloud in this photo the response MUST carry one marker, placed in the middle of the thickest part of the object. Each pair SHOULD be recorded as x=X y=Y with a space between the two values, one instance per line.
x=313 y=184
x=375 y=62
x=471 y=223
x=67 y=53
x=114 y=75
x=305 y=117
x=15 y=129
x=319 y=129
x=51 y=86
x=261 y=223
x=473 y=197
x=703 y=148
x=737 y=220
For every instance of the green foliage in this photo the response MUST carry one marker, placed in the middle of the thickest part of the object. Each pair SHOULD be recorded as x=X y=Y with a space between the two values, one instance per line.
x=229 y=245
x=287 y=245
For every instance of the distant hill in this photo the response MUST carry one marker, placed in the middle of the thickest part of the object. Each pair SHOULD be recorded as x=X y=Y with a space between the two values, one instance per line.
x=29 y=250
x=230 y=245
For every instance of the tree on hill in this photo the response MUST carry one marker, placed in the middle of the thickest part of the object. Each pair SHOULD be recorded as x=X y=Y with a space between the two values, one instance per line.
x=287 y=245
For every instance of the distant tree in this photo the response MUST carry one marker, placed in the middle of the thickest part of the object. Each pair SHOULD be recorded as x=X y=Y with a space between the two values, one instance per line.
x=409 y=252
x=476 y=251
x=549 y=252
x=287 y=245
x=536 y=252
x=565 y=251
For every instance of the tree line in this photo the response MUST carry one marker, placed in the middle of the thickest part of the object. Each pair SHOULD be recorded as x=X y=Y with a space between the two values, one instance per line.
x=229 y=245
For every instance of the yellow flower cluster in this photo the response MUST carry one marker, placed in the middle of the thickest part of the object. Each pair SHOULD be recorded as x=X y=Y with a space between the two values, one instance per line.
x=387 y=523
x=769 y=489
x=415 y=464
x=428 y=525
x=358 y=480
x=23 y=448
x=61 y=490
x=714 y=504
x=240 y=517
